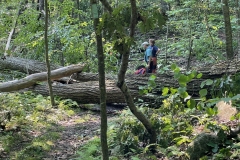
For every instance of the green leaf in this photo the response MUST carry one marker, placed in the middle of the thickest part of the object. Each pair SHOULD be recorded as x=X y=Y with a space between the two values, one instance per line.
x=165 y=91
x=181 y=90
x=200 y=106
x=173 y=66
x=135 y=158
x=173 y=90
x=152 y=77
x=184 y=94
x=210 y=111
x=191 y=76
x=203 y=92
x=191 y=103
x=215 y=149
x=236 y=145
x=177 y=75
x=226 y=99
x=211 y=144
x=236 y=97
x=181 y=140
x=199 y=75
x=209 y=82
x=194 y=72
x=183 y=79
x=177 y=70
x=203 y=84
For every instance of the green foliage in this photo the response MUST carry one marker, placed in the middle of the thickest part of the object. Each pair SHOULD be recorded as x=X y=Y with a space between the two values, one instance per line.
x=91 y=150
x=132 y=131
x=9 y=75
x=31 y=114
x=71 y=40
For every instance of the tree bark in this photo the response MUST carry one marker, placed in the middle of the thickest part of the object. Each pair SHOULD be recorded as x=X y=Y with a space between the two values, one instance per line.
x=38 y=77
x=228 y=29
x=25 y=65
x=40 y=8
x=12 y=32
x=102 y=86
x=121 y=83
x=88 y=92
x=84 y=93
x=238 y=23
x=46 y=55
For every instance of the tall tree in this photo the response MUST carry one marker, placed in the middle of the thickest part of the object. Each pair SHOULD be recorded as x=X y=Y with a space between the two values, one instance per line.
x=125 y=52
x=40 y=8
x=102 y=85
x=46 y=55
x=228 y=29
x=12 y=30
x=238 y=23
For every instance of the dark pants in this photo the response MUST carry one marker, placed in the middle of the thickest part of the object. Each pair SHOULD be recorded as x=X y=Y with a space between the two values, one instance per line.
x=154 y=67
x=150 y=68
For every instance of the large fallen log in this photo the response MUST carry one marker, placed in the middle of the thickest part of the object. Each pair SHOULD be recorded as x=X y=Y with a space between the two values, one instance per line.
x=38 y=77
x=88 y=91
x=24 y=65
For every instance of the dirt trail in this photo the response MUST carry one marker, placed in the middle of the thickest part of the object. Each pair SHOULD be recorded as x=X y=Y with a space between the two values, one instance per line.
x=75 y=132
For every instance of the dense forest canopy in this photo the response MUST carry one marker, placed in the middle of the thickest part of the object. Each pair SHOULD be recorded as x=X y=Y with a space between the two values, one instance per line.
x=188 y=109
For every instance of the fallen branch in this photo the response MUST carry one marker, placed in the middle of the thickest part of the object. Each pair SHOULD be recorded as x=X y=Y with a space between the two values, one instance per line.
x=38 y=77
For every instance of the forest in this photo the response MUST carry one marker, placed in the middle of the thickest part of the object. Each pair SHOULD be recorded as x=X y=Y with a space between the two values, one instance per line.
x=120 y=79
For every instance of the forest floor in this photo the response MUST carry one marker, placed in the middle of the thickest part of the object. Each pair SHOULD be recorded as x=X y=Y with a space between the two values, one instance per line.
x=63 y=138
x=74 y=134
x=52 y=134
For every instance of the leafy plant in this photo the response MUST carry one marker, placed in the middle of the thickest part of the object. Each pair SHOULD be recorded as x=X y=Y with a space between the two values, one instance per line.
x=91 y=150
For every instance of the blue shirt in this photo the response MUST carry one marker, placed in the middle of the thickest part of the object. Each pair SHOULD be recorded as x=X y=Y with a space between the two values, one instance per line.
x=154 y=51
x=148 y=53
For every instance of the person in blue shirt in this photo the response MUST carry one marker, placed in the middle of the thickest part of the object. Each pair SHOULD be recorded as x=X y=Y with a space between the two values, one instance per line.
x=155 y=51
x=148 y=56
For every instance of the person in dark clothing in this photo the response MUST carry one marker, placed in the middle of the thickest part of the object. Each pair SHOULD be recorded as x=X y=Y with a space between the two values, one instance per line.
x=155 y=51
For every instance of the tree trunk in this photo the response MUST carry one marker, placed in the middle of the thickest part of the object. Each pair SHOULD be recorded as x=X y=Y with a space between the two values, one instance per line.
x=102 y=84
x=46 y=55
x=238 y=24
x=121 y=83
x=87 y=90
x=12 y=32
x=25 y=65
x=40 y=8
x=228 y=29
x=38 y=77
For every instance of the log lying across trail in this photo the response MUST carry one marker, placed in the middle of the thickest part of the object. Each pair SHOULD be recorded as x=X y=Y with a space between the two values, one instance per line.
x=85 y=92
x=87 y=89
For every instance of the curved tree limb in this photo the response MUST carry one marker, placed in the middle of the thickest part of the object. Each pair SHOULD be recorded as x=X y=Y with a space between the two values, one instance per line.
x=121 y=78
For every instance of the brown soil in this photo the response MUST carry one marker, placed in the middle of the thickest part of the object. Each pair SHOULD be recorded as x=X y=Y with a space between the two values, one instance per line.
x=75 y=134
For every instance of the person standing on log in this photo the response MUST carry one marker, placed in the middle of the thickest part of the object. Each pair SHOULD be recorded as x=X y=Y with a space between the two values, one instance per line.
x=148 y=56
x=155 y=51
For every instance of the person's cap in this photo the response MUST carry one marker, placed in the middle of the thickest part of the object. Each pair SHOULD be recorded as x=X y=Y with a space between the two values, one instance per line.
x=145 y=43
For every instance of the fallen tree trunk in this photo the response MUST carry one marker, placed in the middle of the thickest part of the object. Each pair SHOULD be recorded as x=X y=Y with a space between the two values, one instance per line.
x=25 y=65
x=87 y=90
x=38 y=77
x=135 y=81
